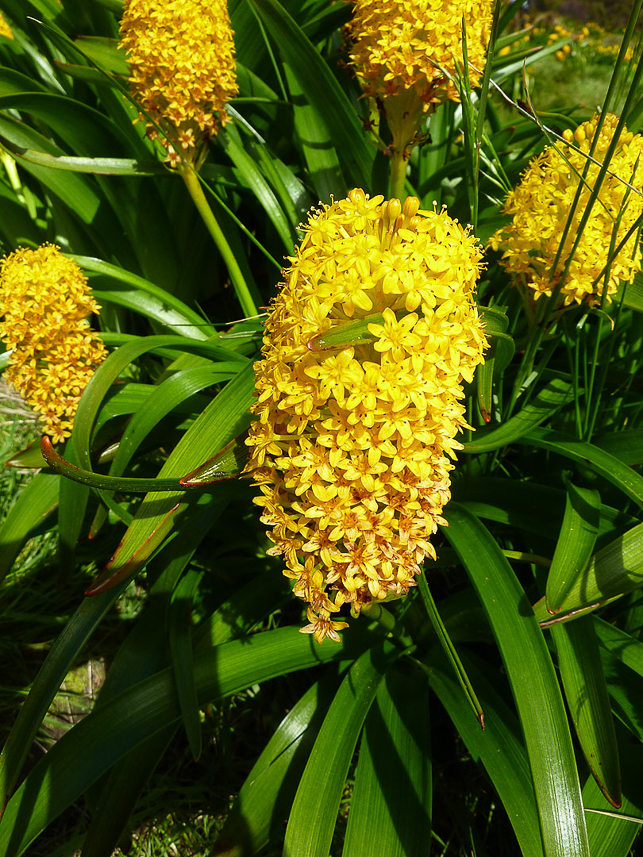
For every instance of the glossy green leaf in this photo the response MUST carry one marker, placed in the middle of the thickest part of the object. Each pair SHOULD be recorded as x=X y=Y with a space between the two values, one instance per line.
x=623 y=646
x=626 y=445
x=611 y=835
x=107 y=734
x=581 y=672
x=449 y=649
x=553 y=396
x=99 y=480
x=613 y=571
x=227 y=416
x=627 y=480
x=533 y=681
x=315 y=141
x=497 y=358
x=390 y=813
x=97 y=166
x=322 y=91
x=105 y=53
x=37 y=501
x=266 y=796
x=310 y=834
x=631 y=294
x=575 y=543
x=500 y=748
x=143 y=296
x=183 y=657
x=163 y=400
x=252 y=177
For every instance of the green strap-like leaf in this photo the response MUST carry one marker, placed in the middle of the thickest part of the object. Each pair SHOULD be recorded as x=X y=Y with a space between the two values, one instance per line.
x=550 y=399
x=615 y=570
x=322 y=91
x=36 y=502
x=606 y=465
x=92 y=746
x=581 y=672
x=575 y=542
x=533 y=681
x=499 y=748
x=264 y=800
x=390 y=811
x=312 y=821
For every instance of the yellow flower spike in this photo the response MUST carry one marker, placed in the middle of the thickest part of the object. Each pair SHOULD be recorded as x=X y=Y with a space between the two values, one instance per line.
x=182 y=68
x=352 y=447
x=541 y=203
x=401 y=49
x=44 y=301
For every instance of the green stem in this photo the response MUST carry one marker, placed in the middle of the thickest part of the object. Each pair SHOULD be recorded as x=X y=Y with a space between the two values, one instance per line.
x=195 y=189
x=449 y=649
x=398 y=174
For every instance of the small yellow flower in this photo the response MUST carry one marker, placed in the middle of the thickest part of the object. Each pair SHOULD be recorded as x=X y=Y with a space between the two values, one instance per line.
x=5 y=29
x=44 y=301
x=182 y=68
x=352 y=447
x=405 y=53
x=541 y=206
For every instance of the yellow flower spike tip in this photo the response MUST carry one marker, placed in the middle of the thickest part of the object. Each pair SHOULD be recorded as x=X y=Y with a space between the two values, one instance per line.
x=352 y=448
x=401 y=46
x=182 y=69
x=541 y=203
x=44 y=301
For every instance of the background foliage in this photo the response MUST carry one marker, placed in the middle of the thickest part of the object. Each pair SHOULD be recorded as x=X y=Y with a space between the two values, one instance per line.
x=371 y=745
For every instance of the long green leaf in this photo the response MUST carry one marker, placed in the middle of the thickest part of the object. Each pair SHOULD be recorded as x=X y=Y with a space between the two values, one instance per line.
x=581 y=672
x=500 y=748
x=106 y=735
x=309 y=834
x=322 y=91
x=575 y=543
x=36 y=502
x=615 y=570
x=554 y=395
x=266 y=796
x=533 y=681
x=627 y=480
x=390 y=812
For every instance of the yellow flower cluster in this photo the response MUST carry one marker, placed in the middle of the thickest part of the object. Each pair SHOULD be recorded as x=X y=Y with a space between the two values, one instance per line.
x=353 y=445
x=5 y=29
x=541 y=205
x=43 y=301
x=403 y=48
x=182 y=68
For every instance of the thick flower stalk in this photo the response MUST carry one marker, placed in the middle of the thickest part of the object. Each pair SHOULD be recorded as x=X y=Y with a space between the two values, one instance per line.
x=541 y=206
x=44 y=301
x=353 y=444
x=406 y=54
x=182 y=69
